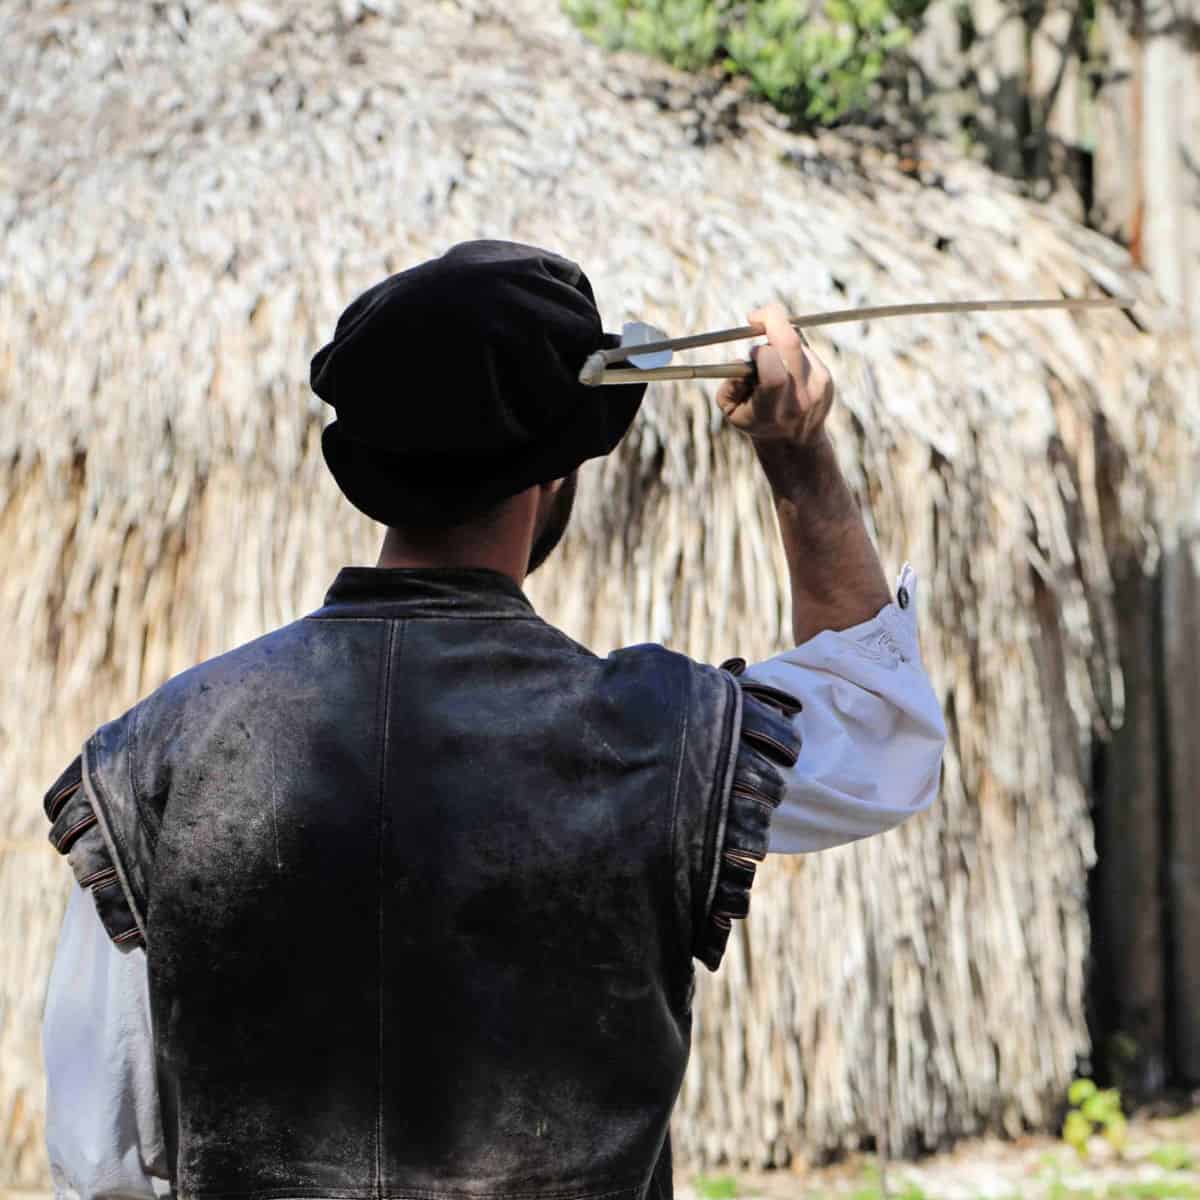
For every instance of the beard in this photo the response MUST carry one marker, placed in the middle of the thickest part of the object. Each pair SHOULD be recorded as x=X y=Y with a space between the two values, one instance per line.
x=554 y=524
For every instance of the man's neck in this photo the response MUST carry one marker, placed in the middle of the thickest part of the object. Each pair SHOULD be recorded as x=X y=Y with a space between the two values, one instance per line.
x=507 y=555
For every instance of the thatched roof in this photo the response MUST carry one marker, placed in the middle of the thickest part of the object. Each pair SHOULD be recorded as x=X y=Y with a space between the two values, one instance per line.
x=190 y=196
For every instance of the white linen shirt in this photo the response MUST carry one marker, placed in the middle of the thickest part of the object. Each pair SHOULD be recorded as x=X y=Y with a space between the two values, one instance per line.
x=872 y=736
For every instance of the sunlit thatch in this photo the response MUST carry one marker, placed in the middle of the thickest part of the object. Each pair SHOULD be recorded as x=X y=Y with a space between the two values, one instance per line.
x=190 y=200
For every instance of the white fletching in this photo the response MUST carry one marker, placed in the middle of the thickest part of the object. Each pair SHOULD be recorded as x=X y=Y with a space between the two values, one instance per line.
x=638 y=333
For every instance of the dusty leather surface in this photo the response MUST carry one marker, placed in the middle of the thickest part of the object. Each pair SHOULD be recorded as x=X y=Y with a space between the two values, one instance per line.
x=421 y=881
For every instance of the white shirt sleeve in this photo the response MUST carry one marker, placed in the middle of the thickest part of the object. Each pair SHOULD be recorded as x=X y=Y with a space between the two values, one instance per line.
x=103 y=1125
x=871 y=730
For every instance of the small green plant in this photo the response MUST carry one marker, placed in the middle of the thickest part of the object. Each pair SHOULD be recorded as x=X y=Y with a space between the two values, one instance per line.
x=717 y=1187
x=1092 y=1112
x=910 y=1192
x=1173 y=1158
x=1154 y=1189
x=1050 y=1163
x=1060 y=1191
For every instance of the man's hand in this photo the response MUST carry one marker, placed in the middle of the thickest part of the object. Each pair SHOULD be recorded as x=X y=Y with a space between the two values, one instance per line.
x=836 y=577
x=793 y=392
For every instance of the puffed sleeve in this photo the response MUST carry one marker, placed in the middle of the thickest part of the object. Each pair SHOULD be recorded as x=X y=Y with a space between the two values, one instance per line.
x=871 y=730
x=104 y=1133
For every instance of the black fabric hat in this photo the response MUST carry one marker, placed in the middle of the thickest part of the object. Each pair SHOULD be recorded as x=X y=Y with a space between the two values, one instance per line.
x=456 y=384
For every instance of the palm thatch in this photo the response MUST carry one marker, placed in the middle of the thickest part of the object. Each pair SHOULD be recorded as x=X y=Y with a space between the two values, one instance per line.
x=191 y=194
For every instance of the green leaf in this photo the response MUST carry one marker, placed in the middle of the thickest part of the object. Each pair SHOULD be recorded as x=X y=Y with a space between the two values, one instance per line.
x=1116 y=1133
x=1076 y=1131
x=1080 y=1090
x=720 y=1187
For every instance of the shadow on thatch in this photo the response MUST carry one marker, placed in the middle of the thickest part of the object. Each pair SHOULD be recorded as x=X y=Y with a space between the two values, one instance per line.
x=188 y=203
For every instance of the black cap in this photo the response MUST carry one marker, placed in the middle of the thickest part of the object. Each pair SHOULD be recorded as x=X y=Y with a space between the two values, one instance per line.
x=456 y=384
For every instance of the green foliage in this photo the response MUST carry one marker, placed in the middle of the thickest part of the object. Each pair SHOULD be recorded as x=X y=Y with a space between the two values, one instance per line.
x=1173 y=1158
x=814 y=59
x=687 y=33
x=1093 y=1112
x=719 y=1187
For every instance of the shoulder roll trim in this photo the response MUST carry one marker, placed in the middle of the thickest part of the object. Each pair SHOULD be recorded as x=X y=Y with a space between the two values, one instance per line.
x=75 y=832
x=767 y=742
x=784 y=701
x=769 y=730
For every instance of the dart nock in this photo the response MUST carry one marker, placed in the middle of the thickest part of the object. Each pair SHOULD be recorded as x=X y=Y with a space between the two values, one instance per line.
x=592 y=372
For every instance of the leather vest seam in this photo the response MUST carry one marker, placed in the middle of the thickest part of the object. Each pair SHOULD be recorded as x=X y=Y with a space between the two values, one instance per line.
x=683 y=936
x=383 y=709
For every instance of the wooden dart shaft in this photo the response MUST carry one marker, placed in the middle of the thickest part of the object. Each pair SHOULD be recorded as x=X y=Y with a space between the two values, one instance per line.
x=832 y=317
x=699 y=371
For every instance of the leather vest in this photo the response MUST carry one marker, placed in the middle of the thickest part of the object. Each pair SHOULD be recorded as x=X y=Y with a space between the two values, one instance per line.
x=420 y=882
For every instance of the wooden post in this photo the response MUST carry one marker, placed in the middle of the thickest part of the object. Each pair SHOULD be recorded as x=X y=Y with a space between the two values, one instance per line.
x=1170 y=137
x=1181 y=687
x=1128 y=938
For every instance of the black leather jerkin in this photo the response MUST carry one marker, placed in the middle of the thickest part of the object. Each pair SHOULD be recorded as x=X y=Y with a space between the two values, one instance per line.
x=420 y=882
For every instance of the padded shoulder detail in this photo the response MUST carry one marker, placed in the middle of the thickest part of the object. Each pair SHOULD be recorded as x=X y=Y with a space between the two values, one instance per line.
x=767 y=742
x=75 y=832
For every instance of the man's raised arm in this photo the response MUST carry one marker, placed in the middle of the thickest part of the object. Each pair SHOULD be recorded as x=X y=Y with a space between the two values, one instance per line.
x=871 y=728
x=836 y=577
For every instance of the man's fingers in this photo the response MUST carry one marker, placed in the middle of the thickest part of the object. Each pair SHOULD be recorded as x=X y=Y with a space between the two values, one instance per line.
x=790 y=392
x=733 y=392
x=774 y=320
x=771 y=369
